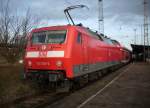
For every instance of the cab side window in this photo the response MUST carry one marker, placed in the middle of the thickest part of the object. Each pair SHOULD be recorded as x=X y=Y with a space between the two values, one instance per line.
x=79 y=38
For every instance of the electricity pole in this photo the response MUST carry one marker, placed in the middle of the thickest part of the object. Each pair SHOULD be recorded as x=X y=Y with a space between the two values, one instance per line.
x=146 y=39
x=100 y=17
x=135 y=36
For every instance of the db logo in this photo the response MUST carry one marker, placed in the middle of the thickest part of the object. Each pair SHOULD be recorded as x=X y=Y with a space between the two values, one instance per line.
x=43 y=54
x=43 y=47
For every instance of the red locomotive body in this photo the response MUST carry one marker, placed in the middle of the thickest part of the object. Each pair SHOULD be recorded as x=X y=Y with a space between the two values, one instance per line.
x=61 y=53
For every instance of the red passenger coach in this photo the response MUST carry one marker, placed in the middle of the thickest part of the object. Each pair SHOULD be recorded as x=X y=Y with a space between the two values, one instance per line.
x=64 y=53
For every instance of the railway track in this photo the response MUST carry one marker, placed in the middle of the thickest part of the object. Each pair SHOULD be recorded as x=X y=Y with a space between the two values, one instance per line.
x=35 y=101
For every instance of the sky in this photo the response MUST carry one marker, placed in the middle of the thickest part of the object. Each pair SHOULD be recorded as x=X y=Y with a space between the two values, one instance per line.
x=121 y=17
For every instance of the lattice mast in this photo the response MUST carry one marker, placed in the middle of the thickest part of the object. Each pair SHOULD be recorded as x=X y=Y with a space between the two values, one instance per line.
x=146 y=39
x=100 y=17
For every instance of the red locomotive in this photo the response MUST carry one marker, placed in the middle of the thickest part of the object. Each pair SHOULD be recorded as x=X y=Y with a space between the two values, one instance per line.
x=65 y=53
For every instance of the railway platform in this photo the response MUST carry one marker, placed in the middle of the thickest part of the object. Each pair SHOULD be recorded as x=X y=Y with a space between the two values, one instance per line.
x=130 y=89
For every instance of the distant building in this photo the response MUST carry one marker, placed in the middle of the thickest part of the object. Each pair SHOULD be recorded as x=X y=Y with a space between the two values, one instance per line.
x=138 y=52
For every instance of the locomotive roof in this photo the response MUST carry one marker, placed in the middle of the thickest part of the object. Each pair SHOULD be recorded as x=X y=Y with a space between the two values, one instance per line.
x=79 y=26
x=51 y=28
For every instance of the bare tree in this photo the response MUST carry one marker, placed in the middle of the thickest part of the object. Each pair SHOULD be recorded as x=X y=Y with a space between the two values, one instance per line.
x=13 y=32
x=5 y=20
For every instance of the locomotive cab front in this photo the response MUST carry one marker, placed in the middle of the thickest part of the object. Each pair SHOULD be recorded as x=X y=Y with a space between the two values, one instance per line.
x=45 y=54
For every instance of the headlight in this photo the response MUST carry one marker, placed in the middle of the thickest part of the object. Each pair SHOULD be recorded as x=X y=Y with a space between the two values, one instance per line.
x=20 y=61
x=59 y=63
x=29 y=63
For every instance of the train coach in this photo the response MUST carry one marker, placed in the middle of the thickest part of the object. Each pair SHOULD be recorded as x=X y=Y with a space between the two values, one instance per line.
x=62 y=54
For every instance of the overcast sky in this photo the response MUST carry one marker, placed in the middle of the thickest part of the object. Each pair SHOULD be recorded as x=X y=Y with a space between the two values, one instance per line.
x=121 y=17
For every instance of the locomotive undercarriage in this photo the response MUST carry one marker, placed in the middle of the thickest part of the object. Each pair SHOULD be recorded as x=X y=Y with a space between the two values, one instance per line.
x=46 y=78
x=58 y=81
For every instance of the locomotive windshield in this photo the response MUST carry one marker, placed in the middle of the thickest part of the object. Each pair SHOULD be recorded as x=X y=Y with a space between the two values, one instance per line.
x=56 y=37
x=50 y=37
x=38 y=38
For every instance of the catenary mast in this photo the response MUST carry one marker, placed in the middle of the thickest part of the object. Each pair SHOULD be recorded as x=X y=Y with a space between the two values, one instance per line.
x=146 y=39
x=100 y=17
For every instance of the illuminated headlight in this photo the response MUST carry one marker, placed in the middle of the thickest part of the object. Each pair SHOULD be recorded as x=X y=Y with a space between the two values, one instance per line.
x=29 y=63
x=59 y=63
x=20 y=61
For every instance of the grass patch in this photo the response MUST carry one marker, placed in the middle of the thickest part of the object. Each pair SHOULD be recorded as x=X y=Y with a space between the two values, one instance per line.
x=11 y=84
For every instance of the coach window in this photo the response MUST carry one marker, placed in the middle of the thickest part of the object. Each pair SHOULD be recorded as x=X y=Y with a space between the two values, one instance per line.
x=79 y=38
